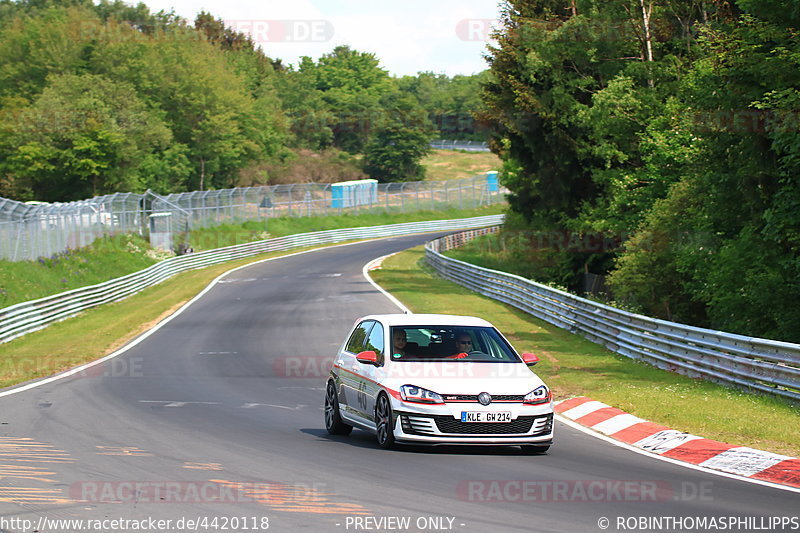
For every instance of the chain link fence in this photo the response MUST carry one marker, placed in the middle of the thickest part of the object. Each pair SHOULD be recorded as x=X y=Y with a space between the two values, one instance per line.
x=468 y=146
x=35 y=229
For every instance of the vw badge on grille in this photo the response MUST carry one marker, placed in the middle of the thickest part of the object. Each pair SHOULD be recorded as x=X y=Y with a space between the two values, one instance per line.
x=484 y=398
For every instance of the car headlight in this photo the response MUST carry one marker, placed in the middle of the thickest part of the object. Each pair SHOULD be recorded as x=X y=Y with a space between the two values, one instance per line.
x=537 y=396
x=410 y=393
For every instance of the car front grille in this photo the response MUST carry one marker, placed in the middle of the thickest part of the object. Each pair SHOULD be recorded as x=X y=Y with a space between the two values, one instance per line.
x=448 y=424
x=417 y=425
x=443 y=424
x=474 y=398
x=542 y=425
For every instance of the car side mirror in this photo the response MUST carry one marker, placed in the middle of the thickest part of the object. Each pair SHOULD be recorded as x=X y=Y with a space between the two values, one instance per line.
x=368 y=358
x=530 y=359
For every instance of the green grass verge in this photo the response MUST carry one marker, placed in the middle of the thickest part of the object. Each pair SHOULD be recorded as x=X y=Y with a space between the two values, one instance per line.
x=105 y=259
x=573 y=366
x=229 y=234
x=453 y=164
x=499 y=251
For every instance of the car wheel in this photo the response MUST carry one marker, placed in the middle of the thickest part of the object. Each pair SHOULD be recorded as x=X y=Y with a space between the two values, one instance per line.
x=383 y=422
x=333 y=420
x=533 y=449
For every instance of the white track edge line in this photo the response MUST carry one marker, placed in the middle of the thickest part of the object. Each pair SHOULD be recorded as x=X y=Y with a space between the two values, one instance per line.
x=392 y=298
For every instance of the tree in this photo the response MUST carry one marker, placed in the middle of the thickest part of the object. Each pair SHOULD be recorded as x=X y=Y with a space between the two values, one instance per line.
x=394 y=151
x=449 y=102
x=730 y=242
x=310 y=116
x=226 y=120
x=33 y=47
x=399 y=141
x=351 y=85
x=83 y=136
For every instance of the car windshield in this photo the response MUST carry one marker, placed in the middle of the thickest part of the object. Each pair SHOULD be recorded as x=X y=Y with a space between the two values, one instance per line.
x=450 y=343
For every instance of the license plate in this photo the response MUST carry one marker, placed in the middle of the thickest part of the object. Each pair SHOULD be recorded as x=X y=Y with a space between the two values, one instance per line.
x=483 y=416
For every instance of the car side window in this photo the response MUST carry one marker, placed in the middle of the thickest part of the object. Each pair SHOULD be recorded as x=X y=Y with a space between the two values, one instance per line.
x=375 y=341
x=359 y=336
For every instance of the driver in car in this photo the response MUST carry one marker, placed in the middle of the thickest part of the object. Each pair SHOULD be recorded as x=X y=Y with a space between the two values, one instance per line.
x=463 y=345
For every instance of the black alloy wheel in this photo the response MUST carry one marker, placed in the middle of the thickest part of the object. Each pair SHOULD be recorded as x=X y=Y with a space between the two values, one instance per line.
x=333 y=419
x=383 y=422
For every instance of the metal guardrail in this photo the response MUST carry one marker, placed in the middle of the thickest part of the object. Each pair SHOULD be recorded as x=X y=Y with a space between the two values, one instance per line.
x=25 y=317
x=768 y=366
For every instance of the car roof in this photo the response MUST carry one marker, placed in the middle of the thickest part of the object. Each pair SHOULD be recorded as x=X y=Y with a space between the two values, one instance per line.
x=413 y=319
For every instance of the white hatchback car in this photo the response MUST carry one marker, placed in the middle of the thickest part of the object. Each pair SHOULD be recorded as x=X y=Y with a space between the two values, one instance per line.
x=437 y=379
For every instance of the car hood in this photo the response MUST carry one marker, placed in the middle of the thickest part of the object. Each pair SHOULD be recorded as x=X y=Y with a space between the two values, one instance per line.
x=461 y=377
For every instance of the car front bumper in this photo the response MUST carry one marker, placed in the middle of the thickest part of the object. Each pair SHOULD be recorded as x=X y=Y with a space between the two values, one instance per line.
x=529 y=425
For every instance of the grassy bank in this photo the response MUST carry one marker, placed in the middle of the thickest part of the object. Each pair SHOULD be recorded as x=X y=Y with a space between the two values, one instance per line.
x=452 y=164
x=229 y=234
x=110 y=258
x=573 y=366
x=105 y=259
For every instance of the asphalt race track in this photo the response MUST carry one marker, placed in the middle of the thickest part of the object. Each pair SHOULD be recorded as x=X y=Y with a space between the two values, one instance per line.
x=217 y=418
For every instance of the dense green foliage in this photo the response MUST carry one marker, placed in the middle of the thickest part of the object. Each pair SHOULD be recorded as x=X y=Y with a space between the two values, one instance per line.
x=670 y=127
x=108 y=98
x=450 y=103
x=104 y=98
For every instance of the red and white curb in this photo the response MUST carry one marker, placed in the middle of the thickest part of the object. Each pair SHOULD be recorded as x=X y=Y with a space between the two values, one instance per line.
x=676 y=445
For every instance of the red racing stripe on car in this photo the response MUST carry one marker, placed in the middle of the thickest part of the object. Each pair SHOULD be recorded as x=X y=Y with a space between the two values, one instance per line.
x=359 y=375
x=572 y=402
x=393 y=393
x=697 y=451
x=786 y=472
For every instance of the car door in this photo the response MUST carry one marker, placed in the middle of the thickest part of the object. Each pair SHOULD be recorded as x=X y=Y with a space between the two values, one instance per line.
x=351 y=385
x=370 y=375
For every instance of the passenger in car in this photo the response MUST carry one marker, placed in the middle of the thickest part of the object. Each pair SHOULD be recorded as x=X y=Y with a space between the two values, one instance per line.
x=401 y=347
x=398 y=342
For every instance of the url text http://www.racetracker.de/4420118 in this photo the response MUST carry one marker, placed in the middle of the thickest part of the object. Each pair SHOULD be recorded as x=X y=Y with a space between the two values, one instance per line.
x=149 y=524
